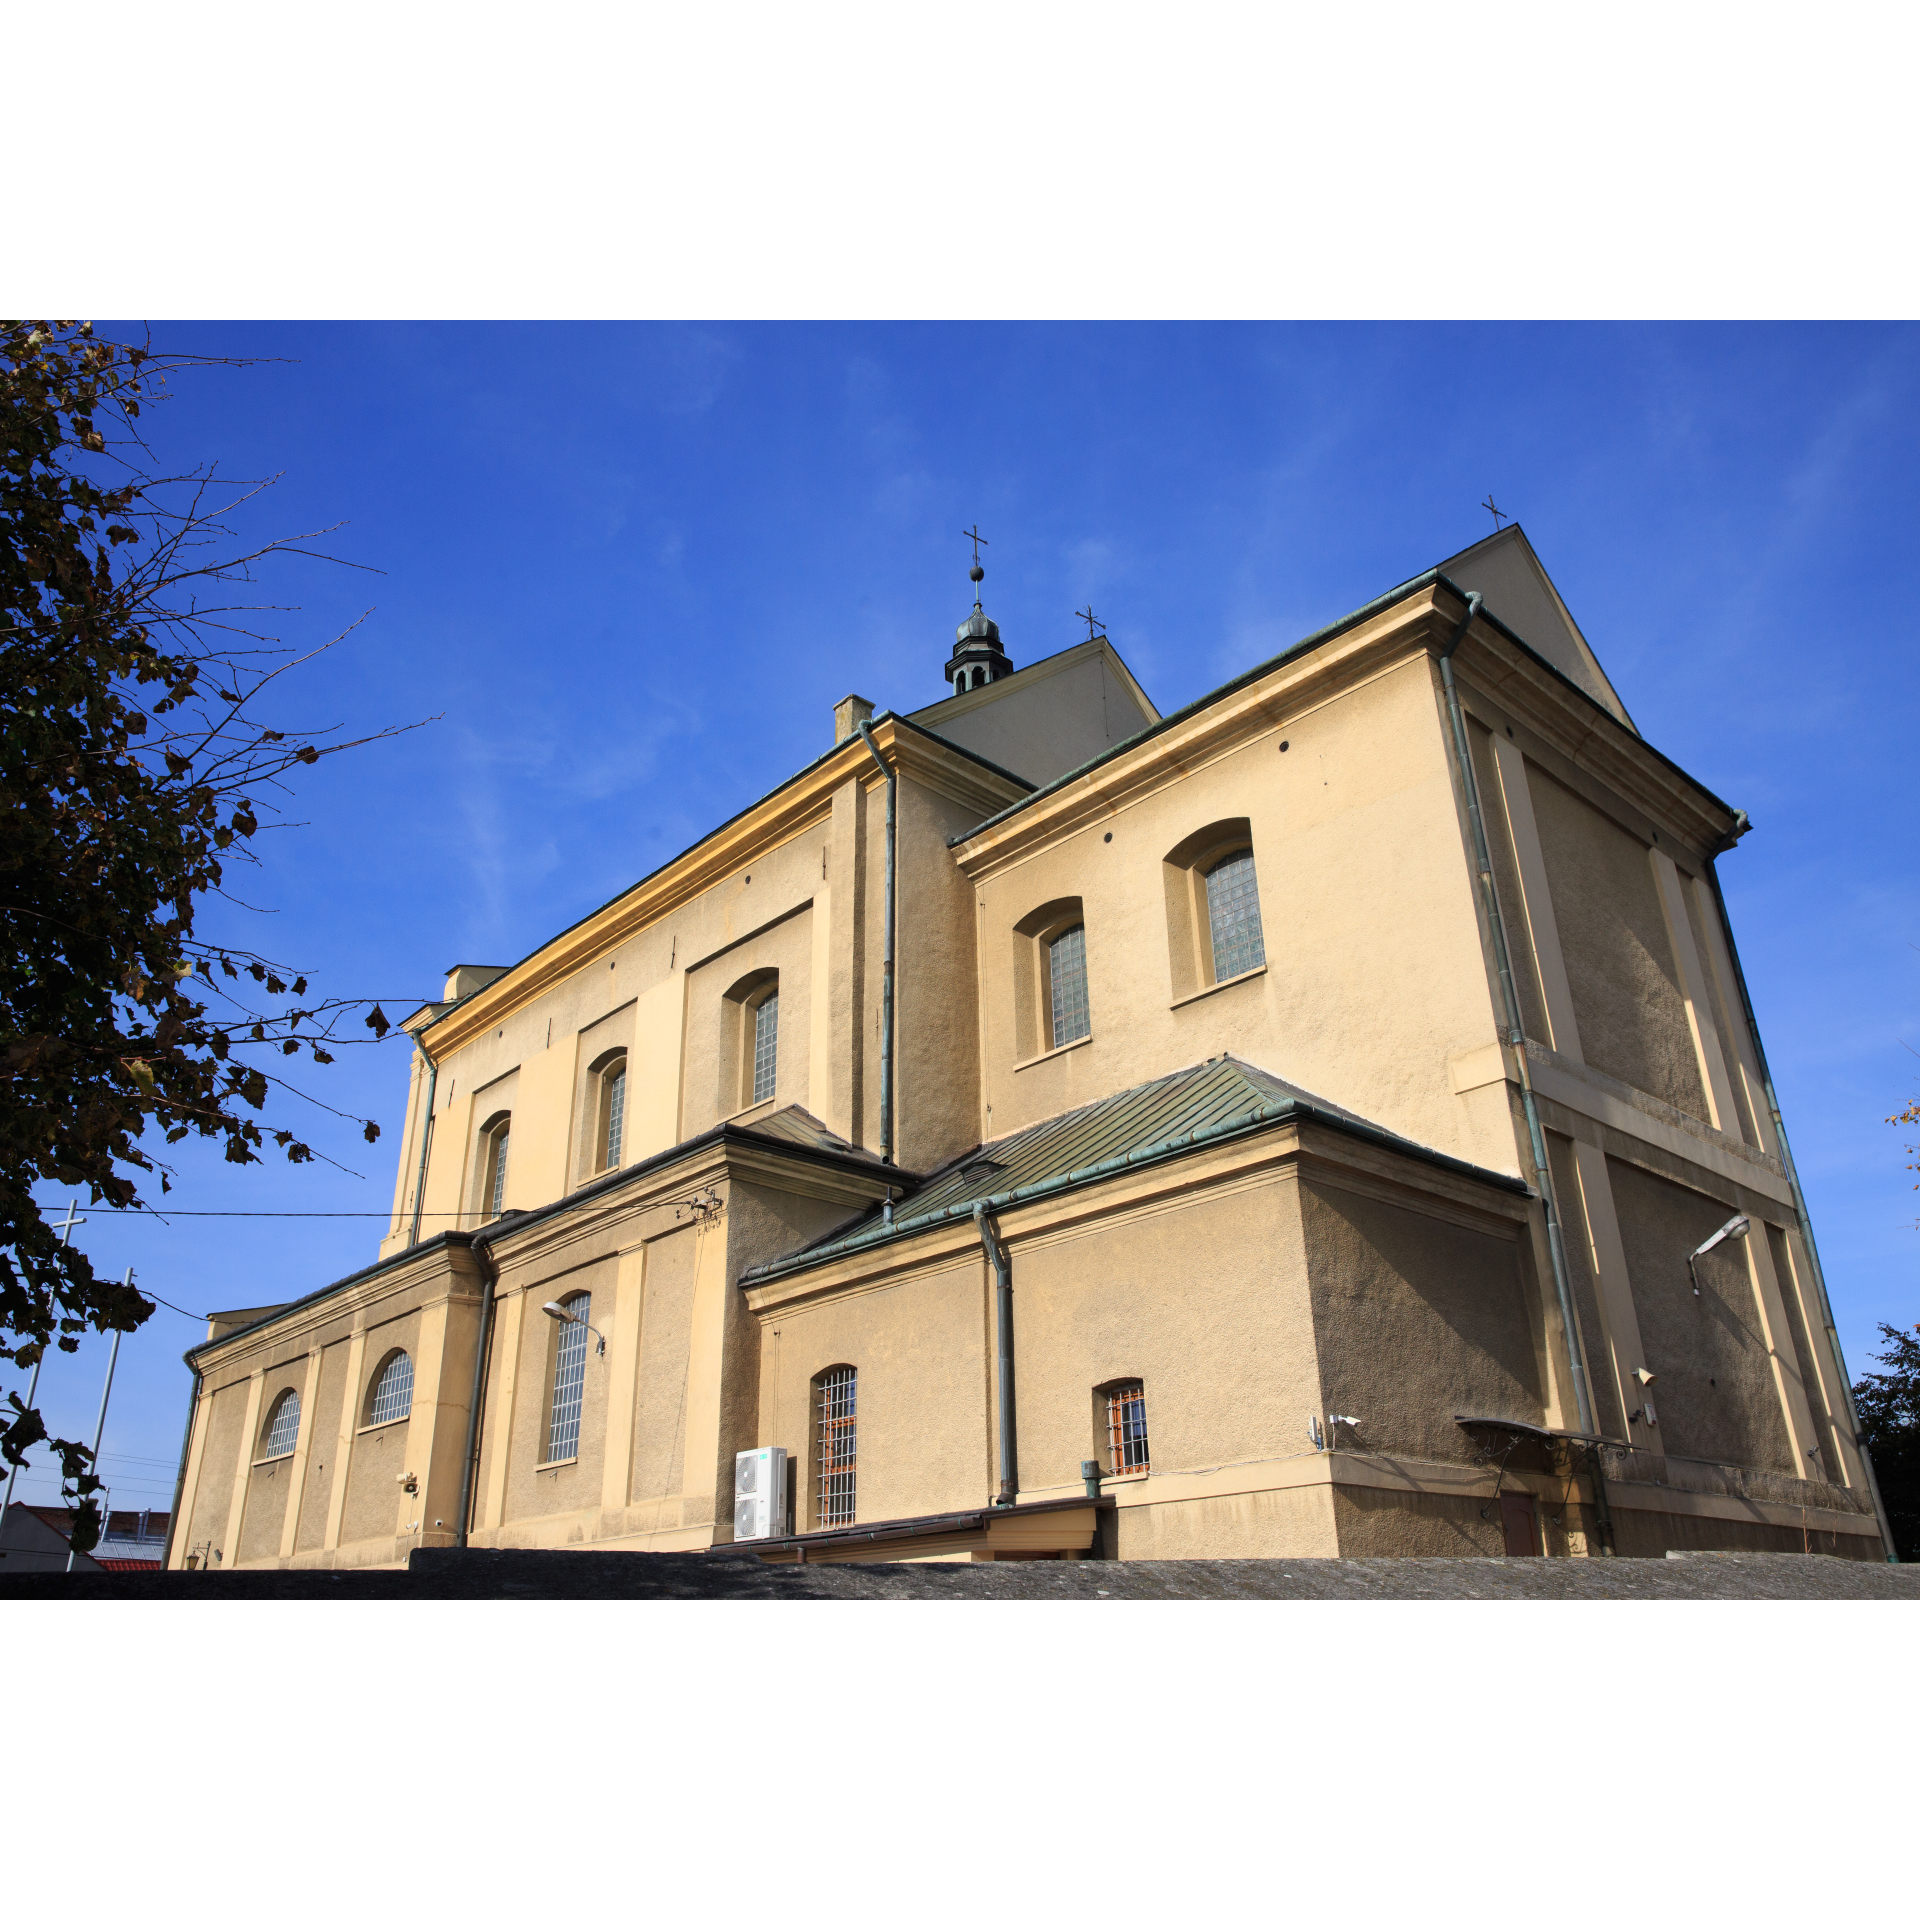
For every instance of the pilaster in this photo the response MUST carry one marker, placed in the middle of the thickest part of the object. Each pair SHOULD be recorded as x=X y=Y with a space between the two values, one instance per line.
x=623 y=1378
x=1693 y=990
x=506 y=1346
x=1614 y=1289
x=243 y=1467
x=1543 y=931
x=1809 y=1456
x=302 y=1446
x=349 y=1421
x=190 y=1485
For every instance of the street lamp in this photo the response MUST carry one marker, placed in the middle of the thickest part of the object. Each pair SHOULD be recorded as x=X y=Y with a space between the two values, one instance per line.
x=1736 y=1229
x=559 y=1312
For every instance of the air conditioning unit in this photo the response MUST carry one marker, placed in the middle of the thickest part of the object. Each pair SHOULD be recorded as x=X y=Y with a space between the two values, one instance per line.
x=760 y=1494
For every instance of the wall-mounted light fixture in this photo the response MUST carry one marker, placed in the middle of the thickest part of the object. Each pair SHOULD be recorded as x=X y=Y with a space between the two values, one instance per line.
x=559 y=1312
x=1736 y=1229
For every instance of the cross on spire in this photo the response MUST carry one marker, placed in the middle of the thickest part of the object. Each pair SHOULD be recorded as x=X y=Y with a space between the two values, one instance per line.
x=979 y=572
x=1093 y=621
x=1498 y=516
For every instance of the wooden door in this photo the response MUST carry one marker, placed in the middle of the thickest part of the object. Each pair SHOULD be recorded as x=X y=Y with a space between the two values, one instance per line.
x=1522 y=1523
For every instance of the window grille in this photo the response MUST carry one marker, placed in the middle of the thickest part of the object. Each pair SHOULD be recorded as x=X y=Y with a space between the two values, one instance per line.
x=616 y=1098
x=1233 y=911
x=283 y=1427
x=392 y=1397
x=569 y=1379
x=1127 y=1429
x=1067 y=977
x=833 y=1481
x=497 y=1186
x=766 y=1043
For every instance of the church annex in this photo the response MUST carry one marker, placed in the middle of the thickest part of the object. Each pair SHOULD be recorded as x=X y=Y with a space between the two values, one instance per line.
x=1327 y=1120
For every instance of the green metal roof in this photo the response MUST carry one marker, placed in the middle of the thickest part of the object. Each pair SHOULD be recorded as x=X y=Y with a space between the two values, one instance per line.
x=1180 y=1111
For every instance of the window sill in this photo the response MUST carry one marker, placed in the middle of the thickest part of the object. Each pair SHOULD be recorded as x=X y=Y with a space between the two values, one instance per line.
x=1052 y=1053
x=274 y=1459
x=380 y=1426
x=1219 y=986
x=547 y=1466
x=741 y=1118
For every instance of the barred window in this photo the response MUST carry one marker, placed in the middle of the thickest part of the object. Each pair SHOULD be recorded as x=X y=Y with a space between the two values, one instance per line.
x=283 y=1427
x=497 y=1173
x=766 y=1042
x=1127 y=1428
x=1067 y=982
x=392 y=1394
x=838 y=1448
x=614 y=1098
x=1233 y=911
x=569 y=1379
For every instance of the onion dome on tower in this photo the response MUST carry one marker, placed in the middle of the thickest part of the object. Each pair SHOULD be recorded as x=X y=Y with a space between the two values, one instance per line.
x=978 y=657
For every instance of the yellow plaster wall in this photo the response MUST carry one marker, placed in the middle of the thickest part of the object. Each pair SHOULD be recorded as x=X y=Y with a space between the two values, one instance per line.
x=919 y=1345
x=1375 y=975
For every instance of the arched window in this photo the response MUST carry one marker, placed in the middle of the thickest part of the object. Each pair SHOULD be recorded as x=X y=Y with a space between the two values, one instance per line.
x=1126 y=1427
x=766 y=1046
x=282 y=1428
x=493 y=1176
x=569 y=1377
x=606 y=1111
x=836 y=1452
x=1067 y=985
x=614 y=1101
x=1233 y=915
x=391 y=1395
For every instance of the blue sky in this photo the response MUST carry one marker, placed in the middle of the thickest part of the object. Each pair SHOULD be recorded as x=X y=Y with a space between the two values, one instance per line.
x=633 y=566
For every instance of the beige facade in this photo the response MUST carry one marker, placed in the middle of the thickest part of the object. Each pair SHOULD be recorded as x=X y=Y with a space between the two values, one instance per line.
x=1208 y=1133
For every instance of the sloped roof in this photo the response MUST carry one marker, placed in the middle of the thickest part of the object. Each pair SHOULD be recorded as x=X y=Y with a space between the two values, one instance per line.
x=796 y=1124
x=1190 y=1108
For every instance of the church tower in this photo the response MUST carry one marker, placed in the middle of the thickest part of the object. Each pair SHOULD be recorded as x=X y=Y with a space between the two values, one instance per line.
x=978 y=657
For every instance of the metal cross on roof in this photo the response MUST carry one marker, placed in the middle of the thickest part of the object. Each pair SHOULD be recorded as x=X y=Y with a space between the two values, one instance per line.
x=1498 y=516
x=978 y=538
x=1093 y=621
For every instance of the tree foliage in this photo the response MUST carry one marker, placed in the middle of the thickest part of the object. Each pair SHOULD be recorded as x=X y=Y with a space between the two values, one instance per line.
x=137 y=761
x=1889 y=1405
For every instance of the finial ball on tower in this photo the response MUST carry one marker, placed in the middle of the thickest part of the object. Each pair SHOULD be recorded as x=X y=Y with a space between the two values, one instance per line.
x=977 y=574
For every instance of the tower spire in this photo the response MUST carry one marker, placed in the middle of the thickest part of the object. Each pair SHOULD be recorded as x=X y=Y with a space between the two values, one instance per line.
x=978 y=657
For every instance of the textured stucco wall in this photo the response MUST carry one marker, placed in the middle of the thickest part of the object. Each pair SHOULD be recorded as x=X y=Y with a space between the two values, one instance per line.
x=1626 y=993
x=1715 y=1390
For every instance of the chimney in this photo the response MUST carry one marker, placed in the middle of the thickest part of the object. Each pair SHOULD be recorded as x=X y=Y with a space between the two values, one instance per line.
x=848 y=715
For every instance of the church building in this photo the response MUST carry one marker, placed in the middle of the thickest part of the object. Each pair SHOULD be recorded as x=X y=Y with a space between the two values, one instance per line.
x=1325 y=1120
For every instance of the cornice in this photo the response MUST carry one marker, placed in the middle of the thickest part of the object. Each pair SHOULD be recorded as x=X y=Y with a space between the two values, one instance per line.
x=1491 y=658
x=1593 y=741
x=802 y=803
x=1306 y=1146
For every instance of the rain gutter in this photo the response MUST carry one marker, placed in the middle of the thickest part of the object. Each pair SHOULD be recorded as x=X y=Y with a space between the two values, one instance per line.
x=886 y=969
x=426 y=1140
x=1003 y=1294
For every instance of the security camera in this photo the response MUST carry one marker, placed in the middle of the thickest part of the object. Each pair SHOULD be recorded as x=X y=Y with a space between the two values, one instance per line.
x=1645 y=1378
